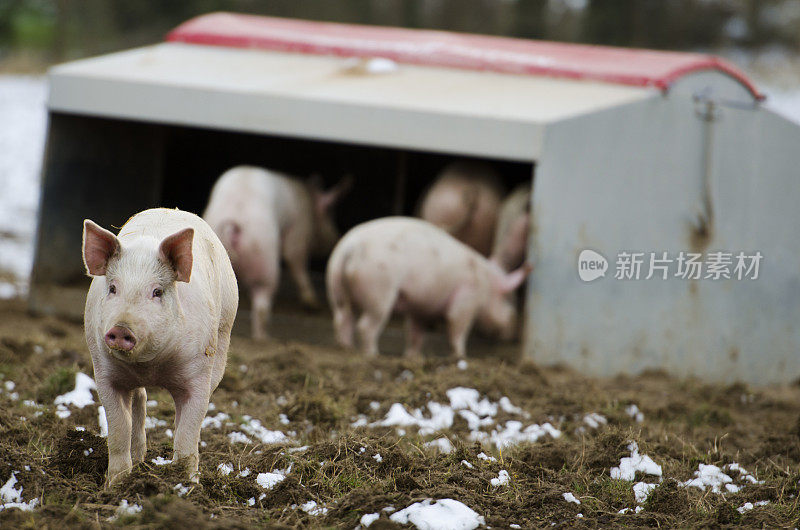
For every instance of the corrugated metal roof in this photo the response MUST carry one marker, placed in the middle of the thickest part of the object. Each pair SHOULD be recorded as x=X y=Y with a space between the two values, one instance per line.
x=636 y=67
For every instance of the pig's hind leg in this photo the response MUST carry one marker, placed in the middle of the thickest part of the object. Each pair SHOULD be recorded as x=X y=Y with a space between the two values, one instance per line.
x=138 y=414
x=295 y=253
x=261 y=298
x=415 y=337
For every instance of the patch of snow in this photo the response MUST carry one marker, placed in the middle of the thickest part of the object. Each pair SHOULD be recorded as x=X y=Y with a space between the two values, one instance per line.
x=629 y=465
x=272 y=479
x=125 y=509
x=514 y=525
x=594 y=420
x=254 y=428
x=251 y=501
x=81 y=395
x=238 y=437
x=180 y=489
x=369 y=518
x=62 y=412
x=443 y=514
x=374 y=405
x=743 y=473
x=9 y=385
x=378 y=458
x=467 y=464
x=30 y=403
x=397 y=416
x=151 y=403
x=569 y=497
x=80 y=429
x=22 y=135
x=10 y=497
x=245 y=472
x=152 y=423
x=642 y=490
x=708 y=475
x=215 y=422
x=284 y=419
x=443 y=445
x=298 y=449
x=169 y=433
x=312 y=508
x=513 y=434
x=468 y=398
x=87 y=452
x=633 y=411
x=501 y=480
x=462 y=364
x=746 y=507
x=161 y=461
x=484 y=456
x=360 y=421
x=225 y=469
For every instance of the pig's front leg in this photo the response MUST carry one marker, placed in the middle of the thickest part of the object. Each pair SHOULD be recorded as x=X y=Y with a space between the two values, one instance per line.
x=262 y=304
x=118 y=413
x=460 y=317
x=138 y=414
x=191 y=405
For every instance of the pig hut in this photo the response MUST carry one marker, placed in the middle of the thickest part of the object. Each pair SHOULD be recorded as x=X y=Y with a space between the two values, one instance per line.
x=633 y=154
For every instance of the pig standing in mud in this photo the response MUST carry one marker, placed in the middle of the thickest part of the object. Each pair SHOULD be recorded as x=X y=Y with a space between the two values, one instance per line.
x=513 y=227
x=412 y=267
x=159 y=313
x=261 y=216
x=464 y=201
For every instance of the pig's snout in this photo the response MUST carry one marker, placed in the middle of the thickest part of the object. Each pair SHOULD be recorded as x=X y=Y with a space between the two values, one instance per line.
x=120 y=338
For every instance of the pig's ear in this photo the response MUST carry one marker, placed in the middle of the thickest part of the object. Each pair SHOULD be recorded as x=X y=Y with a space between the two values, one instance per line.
x=99 y=245
x=176 y=251
x=328 y=198
x=514 y=279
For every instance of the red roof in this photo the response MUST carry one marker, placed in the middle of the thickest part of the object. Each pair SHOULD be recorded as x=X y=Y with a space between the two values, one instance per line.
x=625 y=66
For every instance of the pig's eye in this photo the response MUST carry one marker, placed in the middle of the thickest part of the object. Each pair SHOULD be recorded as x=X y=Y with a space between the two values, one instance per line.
x=112 y=289
x=157 y=292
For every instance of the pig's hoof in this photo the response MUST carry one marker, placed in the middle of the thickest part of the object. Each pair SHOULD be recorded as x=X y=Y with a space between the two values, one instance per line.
x=114 y=479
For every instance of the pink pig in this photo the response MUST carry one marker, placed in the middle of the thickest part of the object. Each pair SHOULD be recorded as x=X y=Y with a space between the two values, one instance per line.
x=464 y=201
x=262 y=216
x=159 y=312
x=412 y=267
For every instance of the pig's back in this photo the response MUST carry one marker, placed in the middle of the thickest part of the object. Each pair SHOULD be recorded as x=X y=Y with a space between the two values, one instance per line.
x=418 y=258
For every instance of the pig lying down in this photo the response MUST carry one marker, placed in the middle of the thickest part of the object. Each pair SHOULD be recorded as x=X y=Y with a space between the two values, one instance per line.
x=409 y=266
x=262 y=216
x=159 y=312
x=464 y=201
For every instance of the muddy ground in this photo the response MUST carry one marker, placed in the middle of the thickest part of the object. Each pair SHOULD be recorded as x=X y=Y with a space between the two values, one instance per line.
x=323 y=390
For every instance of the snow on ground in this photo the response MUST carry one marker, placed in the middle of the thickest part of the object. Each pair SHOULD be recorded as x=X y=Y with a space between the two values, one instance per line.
x=478 y=413
x=79 y=397
x=629 y=465
x=570 y=497
x=710 y=476
x=443 y=514
x=22 y=131
x=11 y=497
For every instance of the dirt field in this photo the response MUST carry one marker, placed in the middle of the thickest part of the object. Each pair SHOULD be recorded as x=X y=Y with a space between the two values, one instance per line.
x=350 y=471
